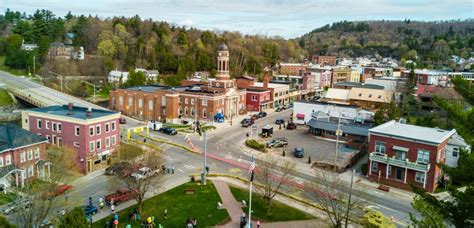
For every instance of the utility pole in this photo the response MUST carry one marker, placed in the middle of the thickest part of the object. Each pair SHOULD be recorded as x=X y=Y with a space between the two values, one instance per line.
x=34 y=66
x=204 y=168
x=338 y=132
x=349 y=200
x=60 y=78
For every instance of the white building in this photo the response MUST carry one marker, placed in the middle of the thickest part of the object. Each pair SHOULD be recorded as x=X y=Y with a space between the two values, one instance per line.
x=116 y=76
x=302 y=111
x=455 y=144
x=280 y=93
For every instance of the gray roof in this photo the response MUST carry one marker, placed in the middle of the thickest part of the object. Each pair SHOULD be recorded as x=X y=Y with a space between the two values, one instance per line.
x=413 y=132
x=360 y=85
x=352 y=129
x=457 y=140
x=75 y=112
x=223 y=47
x=12 y=137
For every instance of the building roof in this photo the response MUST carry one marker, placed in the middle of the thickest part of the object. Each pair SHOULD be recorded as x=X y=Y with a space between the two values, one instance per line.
x=117 y=73
x=248 y=78
x=413 y=132
x=223 y=47
x=76 y=112
x=359 y=85
x=374 y=95
x=12 y=137
x=340 y=94
x=352 y=129
x=257 y=90
x=457 y=140
x=271 y=85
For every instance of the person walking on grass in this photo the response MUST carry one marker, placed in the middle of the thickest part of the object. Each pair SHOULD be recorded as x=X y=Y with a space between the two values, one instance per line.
x=165 y=214
x=258 y=223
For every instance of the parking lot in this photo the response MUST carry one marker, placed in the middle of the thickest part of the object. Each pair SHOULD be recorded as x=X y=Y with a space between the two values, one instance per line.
x=317 y=149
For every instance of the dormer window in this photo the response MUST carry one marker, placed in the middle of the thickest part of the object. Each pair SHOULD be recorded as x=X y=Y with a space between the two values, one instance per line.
x=360 y=94
x=380 y=96
x=370 y=95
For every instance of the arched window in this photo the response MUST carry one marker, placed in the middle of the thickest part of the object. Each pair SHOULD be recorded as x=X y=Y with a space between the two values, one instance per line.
x=192 y=111
x=180 y=110
x=204 y=113
x=186 y=113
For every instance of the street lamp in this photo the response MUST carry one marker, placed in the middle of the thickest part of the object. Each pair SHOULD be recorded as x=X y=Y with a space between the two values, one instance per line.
x=93 y=85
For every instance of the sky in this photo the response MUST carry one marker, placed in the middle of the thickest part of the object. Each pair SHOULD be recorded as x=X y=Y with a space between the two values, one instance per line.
x=288 y=19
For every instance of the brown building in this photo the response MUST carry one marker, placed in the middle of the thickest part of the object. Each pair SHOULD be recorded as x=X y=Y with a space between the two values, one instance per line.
x=202 y=101
x=292 y=68
x=324 y=60
x=341 y=75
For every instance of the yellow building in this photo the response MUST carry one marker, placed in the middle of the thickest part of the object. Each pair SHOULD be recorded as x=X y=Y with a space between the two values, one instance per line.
x=355 y=76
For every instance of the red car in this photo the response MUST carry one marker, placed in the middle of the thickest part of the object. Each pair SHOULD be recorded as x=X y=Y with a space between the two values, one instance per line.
x=60 y=189
x=122 y=120
x=122 y=195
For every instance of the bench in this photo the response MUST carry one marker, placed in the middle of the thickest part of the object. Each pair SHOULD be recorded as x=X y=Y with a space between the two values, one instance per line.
x=384 y=188
x=189 y=191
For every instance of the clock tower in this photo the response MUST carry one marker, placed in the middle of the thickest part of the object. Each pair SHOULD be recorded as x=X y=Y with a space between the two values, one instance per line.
x=223 y=78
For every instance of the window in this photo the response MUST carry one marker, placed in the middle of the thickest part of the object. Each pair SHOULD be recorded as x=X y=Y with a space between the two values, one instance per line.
x=150 y=104
x=54 y=127
x=254 y=97
x=420 y=177
x=192 y=111
x=180 y=110
x=22 y=157
x=91 y=146
x=204 y=102
x=59 y=128
x=186 y=111
x=180 y=100
x=455 y=153
x=107 y=127
x=130 y=101
x=54 y=139
x=107 y=142
x=204 y=113
x=163 y=101
x=1 y=161
x=60 y=141
x=30 y=155
x=380 y=147
x=114 y=140
x=120 y=100
x=38 y=124
x=91 y=131
x=39 y=134
x=77 y=130
x=375 y=166
x=8 y=160
x=423 y=156
x=30 y=171
x=47 y=124
x=192 y=101
x=76 y=144
x=185 y=100
x=37 y=153
x=113 y=126
x=48 y=138
x=400 y=155
x=140 y=103
x=97 y=130
x=98 y=144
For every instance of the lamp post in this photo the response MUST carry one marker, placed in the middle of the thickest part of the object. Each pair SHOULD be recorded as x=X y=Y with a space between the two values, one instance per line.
x=93 y=85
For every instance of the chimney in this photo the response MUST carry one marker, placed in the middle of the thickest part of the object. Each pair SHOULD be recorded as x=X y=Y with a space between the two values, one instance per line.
x=70 y=106
x=89 y=112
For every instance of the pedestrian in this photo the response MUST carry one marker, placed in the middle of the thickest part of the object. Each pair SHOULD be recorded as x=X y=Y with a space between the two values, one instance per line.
x=63 y=212
x=90 y=200
x=165 y=213
x=258 y=223
x=172 y=169
x=128 y=225
x=116 y=216
x=101 y=206
x=195 y=223
x=112 y=208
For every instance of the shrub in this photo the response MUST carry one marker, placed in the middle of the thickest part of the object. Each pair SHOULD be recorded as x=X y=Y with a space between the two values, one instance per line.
x=252 y=143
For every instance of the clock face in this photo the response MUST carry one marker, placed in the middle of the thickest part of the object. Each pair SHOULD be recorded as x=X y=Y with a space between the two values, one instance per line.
x=220 y=54
x=218 y=84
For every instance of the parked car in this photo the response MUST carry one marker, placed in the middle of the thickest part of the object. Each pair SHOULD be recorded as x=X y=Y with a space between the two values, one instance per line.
x=262 y=114
x=248 y=123
x=128 y=170
x=277 y=142
x=121 y=195
x=291 y=126
x=116 y=168
x=122 y=120
x=298 y=152
x=169 y=131
x=60 y=189
x=15 y=206
x=145 y=172
x=279 y=121
x=244 y=120
x=279 y=109
x=255 y=117
x=89 y=210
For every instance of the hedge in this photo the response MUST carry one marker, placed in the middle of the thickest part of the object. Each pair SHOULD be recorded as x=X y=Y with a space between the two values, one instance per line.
x=252 y=143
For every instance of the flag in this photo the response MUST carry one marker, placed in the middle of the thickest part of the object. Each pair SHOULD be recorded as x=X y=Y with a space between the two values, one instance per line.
x=252 y=168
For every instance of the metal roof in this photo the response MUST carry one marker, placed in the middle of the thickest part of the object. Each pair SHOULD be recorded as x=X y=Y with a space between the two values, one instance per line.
x=76 y=112
x=12 y=137
x=352 y=129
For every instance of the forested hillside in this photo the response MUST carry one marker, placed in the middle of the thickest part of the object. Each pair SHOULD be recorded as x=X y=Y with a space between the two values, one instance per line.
x=126 y=43
x=431 y=42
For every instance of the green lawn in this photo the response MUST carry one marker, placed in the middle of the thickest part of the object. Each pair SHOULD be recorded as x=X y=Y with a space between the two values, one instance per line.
x=6 y=198
x=279 y=211
x=5 y=98
x=201 y=206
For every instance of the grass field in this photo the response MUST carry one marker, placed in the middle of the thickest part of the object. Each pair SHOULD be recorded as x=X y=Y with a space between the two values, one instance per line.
x=279 y=211
x=202 y=206
x=5 y=98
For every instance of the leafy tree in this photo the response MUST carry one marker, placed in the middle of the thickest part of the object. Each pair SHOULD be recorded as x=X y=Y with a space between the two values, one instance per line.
x=376 y=219
x=430 y=216
x=5 y=223
x=75 y=218
x=135 y=78
x=271 y=53
x=183 y=38
x=69 y=16
x=463 y=173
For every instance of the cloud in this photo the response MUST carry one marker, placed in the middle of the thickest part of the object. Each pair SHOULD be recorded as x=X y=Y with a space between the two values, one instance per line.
x=287 y=18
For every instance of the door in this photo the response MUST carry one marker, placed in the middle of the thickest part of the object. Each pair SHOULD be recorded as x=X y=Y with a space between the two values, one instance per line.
x=399 y=173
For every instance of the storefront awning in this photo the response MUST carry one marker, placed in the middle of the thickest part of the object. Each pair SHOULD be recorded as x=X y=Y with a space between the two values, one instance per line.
x=399 y=148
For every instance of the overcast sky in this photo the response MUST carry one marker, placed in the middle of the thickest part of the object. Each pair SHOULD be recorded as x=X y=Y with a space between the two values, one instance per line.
x=289 y=19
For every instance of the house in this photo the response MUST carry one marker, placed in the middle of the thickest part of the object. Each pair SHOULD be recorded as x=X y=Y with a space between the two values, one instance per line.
x=353 y=133
x=370 y=99
x=337 y=96
x=22 y=155
x=93 y=133
x=400 y=154
x=303 y=111
x=355 y=76
x=292 y=68
x=429 y=77
x=341 y=74
x=455 y=144
x=116 y=76
x=258 y=99
x=28 y=47
x=59 y=50
x=149 y=74
x=220 y=96
x=324 y=60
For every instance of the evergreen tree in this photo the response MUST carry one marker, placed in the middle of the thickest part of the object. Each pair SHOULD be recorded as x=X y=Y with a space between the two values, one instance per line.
x=75 y=218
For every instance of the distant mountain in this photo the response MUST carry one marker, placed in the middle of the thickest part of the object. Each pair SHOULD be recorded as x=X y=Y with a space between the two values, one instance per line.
x=432 y=42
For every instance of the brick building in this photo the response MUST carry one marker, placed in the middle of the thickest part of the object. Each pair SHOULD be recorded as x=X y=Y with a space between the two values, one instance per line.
x=342 y=74
x=202 y=101
x=292 y=68
x=93 y=133
x=258 y=99
x=401 y=154
x=22 y=155
x=324 y=60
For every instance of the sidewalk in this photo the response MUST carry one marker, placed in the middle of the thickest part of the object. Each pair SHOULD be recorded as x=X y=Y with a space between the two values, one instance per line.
x=234 y=208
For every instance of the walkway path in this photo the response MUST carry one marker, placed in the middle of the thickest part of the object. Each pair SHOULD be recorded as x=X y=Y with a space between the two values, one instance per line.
x=234 y=209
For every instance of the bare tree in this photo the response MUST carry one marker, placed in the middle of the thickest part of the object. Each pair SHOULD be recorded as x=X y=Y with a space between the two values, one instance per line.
x=335 y=196
x=41 y=203
x=271 y=174
x=151 y=159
